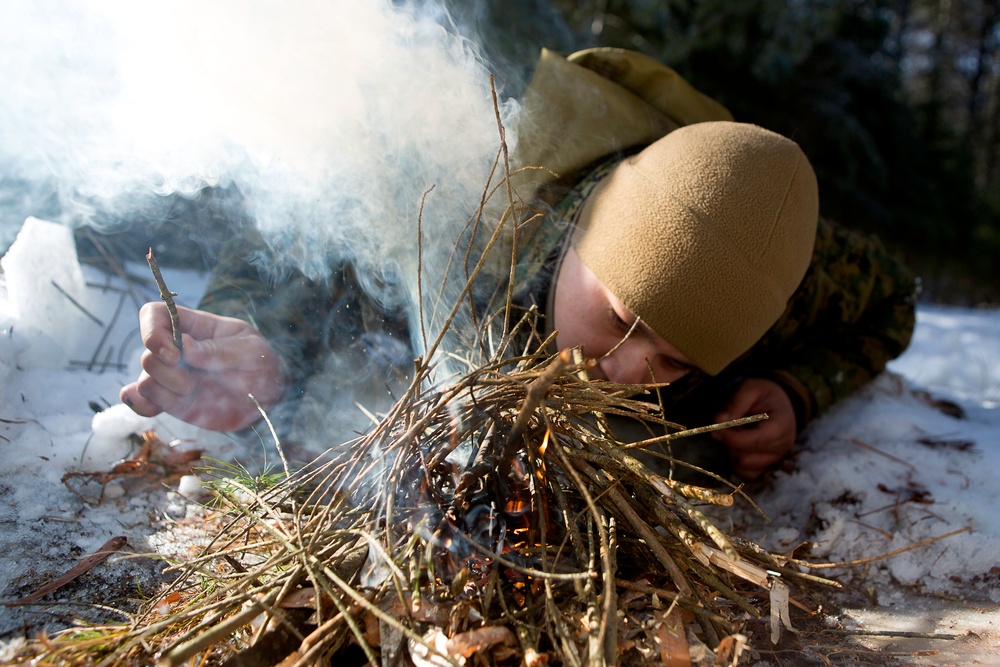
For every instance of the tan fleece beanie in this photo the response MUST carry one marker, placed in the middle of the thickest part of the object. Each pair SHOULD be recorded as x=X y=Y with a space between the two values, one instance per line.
x=705 y=235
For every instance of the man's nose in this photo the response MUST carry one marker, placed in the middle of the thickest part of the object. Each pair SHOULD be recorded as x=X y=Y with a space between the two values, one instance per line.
x=629 y=364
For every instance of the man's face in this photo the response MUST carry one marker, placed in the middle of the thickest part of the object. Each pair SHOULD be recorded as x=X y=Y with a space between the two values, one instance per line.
x=588 y=315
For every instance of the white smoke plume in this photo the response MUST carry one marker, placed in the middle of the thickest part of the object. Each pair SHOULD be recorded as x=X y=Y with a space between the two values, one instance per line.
x=332 y=117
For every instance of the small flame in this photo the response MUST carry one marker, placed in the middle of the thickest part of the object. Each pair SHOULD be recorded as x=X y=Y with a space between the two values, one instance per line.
x=545 y=443
x=516 y=507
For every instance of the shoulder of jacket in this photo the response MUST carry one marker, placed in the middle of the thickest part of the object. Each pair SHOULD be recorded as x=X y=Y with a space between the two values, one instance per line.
x=580 y=108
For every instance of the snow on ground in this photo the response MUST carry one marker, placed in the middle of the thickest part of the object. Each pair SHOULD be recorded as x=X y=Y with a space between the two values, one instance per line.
x=48 y=424
x=891 y=467
x=911 y=457
x=885 y=470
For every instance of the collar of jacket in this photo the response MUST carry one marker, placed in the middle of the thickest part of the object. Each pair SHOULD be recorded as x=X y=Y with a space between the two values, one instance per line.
x=538 y=262
x=580 y=108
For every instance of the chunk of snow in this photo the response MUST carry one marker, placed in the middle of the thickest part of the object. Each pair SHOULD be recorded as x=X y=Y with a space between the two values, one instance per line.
x=47 y=296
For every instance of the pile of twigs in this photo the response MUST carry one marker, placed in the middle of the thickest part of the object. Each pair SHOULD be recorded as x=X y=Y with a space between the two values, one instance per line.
x=497 y=515
x=493 y=517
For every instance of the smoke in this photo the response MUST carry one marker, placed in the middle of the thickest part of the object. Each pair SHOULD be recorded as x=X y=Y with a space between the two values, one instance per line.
x=339 y=123
x=332 y=118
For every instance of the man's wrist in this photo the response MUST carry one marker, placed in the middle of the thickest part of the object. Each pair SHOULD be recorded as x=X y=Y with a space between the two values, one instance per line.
x=798 y=394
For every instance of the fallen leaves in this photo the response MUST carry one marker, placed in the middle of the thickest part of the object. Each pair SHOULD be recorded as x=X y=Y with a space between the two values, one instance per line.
x=154 y=460
x=84 y=566
x=437 y=646
x=672 y=639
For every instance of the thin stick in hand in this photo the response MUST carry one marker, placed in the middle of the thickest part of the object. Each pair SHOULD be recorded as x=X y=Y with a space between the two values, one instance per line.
x=168 y=298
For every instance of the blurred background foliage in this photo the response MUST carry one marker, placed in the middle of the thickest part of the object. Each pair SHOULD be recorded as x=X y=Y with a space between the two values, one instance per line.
x=895 y=101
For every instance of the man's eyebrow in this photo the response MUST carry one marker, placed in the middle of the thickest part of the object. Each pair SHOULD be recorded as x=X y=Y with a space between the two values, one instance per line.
x=686 y=365
x=644 y=329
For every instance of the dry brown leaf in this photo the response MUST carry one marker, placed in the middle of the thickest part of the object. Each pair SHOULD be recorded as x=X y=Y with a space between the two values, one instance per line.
x=372 y=632
x=468 y=643
x=155 y=460
x=302 y=598
x=672 y=639
x=111 y=546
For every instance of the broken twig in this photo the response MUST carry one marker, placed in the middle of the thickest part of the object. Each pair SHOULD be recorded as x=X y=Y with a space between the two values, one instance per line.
x=167 y=296
x=80 y=307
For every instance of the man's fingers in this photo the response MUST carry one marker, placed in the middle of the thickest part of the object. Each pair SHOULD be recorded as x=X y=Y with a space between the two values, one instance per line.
x=752 y=472
x=761 y=435
x=157 y=335
x=177 y=380
x=756 y=462
x=202 y=325
x=219 y=354
x=155 y=323
x=154 y=314
x=157 y=393
x=207 y=381
x=133 y=398
x=741 y=404
x=169 y=402
x=756 y=448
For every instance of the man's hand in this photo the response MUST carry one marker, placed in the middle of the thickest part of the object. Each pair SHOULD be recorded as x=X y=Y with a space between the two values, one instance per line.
x=755 y=448
x=224 y=360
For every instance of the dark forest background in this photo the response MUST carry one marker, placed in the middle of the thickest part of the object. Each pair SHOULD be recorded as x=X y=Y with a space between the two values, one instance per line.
x=895 y=101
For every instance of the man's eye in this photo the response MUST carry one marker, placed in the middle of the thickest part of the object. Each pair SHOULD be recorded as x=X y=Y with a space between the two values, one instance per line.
x=619 y=322
x=678 y=366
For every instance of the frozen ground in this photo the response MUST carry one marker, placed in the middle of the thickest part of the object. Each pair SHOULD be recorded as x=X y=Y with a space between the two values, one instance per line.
x=912 y=457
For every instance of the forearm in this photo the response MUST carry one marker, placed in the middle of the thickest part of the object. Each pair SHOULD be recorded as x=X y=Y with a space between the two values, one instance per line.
x=823 y=376
x=859 y=310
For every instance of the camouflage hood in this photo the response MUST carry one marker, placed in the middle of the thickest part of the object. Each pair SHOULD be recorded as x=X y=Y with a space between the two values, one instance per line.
x=582 y=108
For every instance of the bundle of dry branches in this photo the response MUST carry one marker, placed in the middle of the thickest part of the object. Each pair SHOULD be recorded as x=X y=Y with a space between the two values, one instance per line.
x=493 y=517
x=496 y=516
